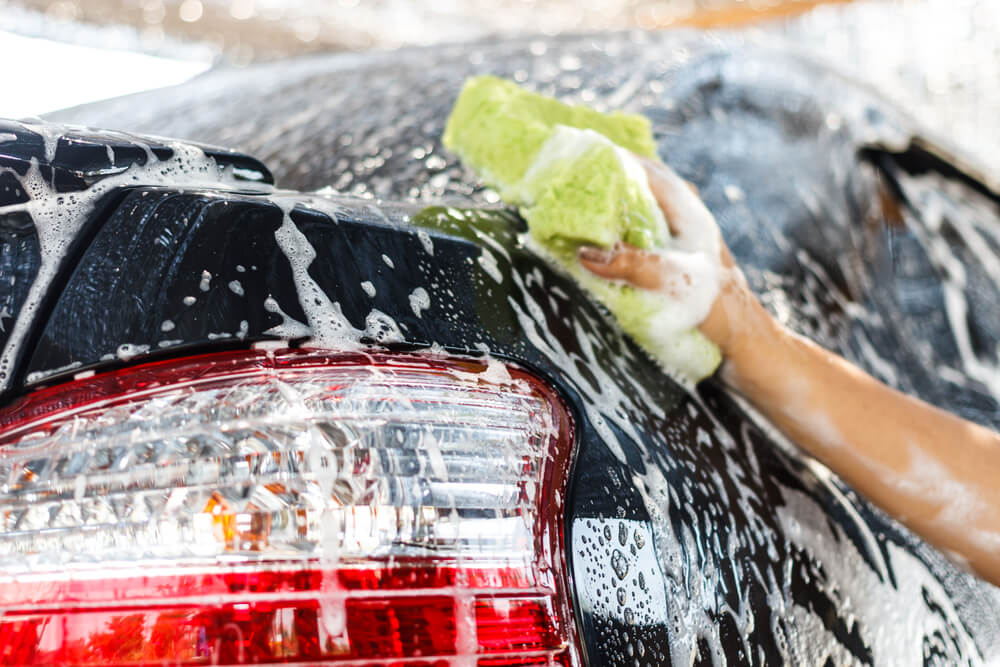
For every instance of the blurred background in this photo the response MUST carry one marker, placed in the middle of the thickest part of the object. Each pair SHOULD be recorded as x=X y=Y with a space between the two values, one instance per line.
x=940 y=59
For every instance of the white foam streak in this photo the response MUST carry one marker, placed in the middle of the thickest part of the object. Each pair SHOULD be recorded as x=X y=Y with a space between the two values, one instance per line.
x=893 y=622
x=935 y=210
x=58 y=216
x=330 y=328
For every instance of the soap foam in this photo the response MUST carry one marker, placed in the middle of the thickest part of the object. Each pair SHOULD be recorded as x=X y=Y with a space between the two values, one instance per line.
x=58 y=216
x=420 y=301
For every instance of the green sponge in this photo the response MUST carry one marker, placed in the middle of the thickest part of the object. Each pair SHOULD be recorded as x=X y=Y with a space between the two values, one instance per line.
x=572 y=172
x=499 y=128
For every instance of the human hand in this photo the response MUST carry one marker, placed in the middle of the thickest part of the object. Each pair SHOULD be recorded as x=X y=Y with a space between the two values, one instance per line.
x=877 y=439
x=697 y=269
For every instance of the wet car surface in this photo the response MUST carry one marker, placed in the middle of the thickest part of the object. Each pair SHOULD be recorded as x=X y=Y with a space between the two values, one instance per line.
x=694 y=533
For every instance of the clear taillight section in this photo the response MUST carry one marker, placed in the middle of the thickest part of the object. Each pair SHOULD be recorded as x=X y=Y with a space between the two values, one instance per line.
x=290 y=507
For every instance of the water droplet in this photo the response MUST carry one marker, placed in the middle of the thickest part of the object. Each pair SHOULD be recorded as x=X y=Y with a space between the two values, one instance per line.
x=619 y=564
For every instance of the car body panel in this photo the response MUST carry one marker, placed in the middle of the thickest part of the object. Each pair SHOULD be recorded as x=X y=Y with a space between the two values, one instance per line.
x=775 y=142
x=695 y=533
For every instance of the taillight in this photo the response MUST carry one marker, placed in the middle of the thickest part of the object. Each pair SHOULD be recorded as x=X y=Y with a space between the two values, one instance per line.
x=292 y=507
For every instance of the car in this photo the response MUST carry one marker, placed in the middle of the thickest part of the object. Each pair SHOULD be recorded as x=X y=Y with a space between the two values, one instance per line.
x=368 y=425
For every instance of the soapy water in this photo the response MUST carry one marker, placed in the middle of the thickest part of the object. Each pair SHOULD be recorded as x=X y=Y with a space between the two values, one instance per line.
x=359 y=476
x=768 y=139
x=616 y=407
x=695 y=615
x=693 y=552
x=58 y=217
x=735 y=551
x=939 y=213
x=692 y=531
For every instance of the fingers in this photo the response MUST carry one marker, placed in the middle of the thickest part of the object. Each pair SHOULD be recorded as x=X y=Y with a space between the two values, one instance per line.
x=625 y=262
x=695 y=272
x=689 y=280
x=589 y=254
x=666 y=271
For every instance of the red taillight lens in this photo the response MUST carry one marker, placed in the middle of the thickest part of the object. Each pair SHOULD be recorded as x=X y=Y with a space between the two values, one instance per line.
x=294 y=507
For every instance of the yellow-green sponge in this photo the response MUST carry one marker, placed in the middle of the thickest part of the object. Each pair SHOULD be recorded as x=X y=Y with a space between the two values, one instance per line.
x=573 y=173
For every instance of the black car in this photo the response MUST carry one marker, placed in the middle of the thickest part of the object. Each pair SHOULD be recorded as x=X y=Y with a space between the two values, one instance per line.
x=368 y=426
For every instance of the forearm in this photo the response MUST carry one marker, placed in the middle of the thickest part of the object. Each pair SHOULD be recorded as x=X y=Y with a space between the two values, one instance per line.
x=938 y=474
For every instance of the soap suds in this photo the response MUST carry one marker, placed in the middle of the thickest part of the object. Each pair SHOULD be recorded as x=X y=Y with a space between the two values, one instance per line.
x=127 y=351
x=936 y=212
x=368 y=289
x=734 y=193
x=330 y=328
x=290 y=328
x=691 y=283
x=496 y=371
x=426 y=241
x=37 y=376
x=567 y=144
x=58 y=216
x=236 y=287
x=926 y=480
x=488 y=263
x=382 y=328
x=420 y=301
x=797 y=405
x=891 y=622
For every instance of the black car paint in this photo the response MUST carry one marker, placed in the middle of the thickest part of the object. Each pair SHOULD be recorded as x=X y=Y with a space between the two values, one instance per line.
x=72 y=163
x=789 y=134
x=162 y=239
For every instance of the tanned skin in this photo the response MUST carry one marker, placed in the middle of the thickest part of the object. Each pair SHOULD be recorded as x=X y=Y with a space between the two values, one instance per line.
x=938 y=474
